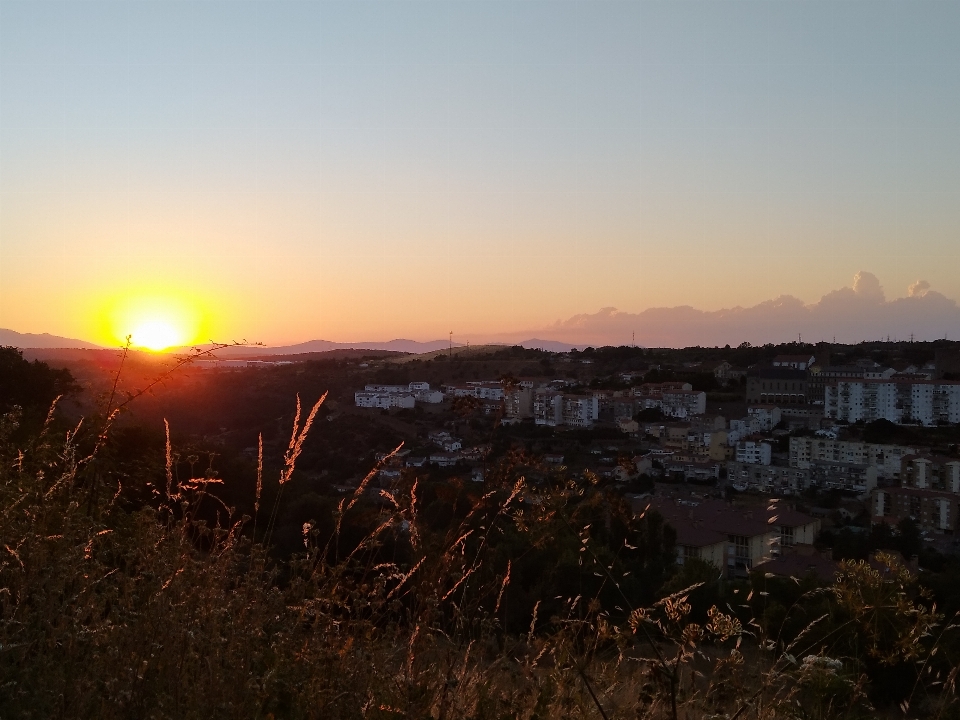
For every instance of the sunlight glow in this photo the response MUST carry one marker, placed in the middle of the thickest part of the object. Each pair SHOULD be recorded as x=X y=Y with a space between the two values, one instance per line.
x=155 y=321
x=156 y=334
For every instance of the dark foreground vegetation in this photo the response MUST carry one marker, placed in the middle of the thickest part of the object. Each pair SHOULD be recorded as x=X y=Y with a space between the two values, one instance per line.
x=147 y=587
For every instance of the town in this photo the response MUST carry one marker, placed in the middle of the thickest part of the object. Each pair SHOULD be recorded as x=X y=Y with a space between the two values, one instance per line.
x=790 y=456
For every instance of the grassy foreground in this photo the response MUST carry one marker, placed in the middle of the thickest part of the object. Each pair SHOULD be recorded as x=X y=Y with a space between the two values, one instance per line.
x=159 y=602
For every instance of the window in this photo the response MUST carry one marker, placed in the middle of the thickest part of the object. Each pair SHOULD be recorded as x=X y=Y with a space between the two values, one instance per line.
x=786 y=536
x=741 y=545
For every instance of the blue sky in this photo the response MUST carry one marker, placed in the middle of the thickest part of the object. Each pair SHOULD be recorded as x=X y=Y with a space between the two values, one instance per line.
x=357 y=169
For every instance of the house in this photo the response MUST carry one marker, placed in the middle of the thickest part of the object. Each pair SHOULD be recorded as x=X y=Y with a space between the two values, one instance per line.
x=795 y=528
x=643 y=464
x=732 y=538
x=721 y=371
x=389 y=475
x=444 y=459
x=451 y=444
x=628 y=426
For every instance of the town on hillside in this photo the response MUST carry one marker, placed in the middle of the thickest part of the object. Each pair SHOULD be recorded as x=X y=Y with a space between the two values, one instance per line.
x=756 y=467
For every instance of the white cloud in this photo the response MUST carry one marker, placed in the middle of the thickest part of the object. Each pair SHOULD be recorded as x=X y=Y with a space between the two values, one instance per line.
x=918 y=289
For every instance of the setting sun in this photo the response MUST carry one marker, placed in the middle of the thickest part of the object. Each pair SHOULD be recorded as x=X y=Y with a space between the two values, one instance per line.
x=154 y=322
x=156 y=335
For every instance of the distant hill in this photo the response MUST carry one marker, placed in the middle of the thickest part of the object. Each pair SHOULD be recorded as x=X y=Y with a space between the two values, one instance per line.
x=45 y=341
x=42 y=340
x=548 y=345
x=319 y=346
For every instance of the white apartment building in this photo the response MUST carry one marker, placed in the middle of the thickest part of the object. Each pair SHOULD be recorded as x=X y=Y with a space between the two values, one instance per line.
x=765 y=417
x=518 y=403
x=739 y=429
x=396 y=396
x=926 y=402
x=487 y=389
x=683 y=403
x=580 y=411
x=482 y=389
x=548 y=407
x=384 y=400
x=754 y=453
x=885 y=458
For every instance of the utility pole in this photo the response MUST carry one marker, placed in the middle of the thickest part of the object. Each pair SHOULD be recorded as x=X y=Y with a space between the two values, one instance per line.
x=450 y=353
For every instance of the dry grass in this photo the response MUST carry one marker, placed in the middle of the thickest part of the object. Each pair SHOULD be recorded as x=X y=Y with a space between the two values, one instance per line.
x=108 y=612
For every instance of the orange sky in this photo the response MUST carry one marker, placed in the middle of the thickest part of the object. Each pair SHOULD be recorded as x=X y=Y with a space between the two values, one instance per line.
x=363 y=171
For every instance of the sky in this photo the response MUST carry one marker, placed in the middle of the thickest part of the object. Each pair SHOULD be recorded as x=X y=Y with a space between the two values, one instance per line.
x=284 y=171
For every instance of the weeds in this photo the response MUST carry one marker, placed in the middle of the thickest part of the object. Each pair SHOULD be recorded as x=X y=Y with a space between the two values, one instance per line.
x=159 y=611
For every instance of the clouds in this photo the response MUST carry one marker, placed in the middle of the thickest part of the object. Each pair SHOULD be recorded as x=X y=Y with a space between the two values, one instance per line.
x=918 y=289
x=849 y=314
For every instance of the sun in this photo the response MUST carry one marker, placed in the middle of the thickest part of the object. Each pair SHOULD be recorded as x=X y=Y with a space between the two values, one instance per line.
x=155 y=321
x=156 y=334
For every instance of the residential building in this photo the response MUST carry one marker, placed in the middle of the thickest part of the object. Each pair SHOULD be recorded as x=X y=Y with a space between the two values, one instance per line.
x=770 y=479
x=518 y=402
x=777 y=385
x=628 y=426
x=548 y=407
x=691 y=470
x=764 y=417
x=444 y=459
x=487 y=389
x=833 y=475
x=704 y=525
x=580 y=411
x=384 y=400
x=885 y=458
x=740 y=429
x=899 y=400
x=683 y=403
x=396 y=396
x=754 y=452
x=795 y=528
x=929 y=493
x=656 y=390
